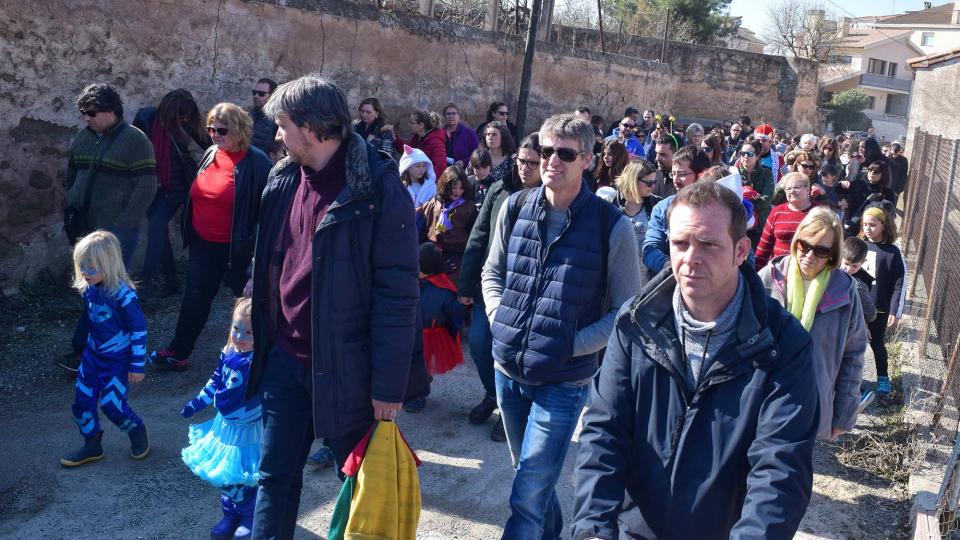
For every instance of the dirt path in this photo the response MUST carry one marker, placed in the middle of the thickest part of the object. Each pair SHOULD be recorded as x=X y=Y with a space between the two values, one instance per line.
x=465 y=477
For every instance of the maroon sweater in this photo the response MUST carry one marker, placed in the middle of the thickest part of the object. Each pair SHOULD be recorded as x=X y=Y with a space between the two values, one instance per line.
x=317 y=191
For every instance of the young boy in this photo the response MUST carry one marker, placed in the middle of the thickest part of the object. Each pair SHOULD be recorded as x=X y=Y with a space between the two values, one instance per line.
x=854 y=254
x=828 y=177
x=480 y=166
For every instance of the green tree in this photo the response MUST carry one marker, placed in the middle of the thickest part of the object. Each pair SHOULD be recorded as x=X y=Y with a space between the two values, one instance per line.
x=846 y=111
x=698 y=21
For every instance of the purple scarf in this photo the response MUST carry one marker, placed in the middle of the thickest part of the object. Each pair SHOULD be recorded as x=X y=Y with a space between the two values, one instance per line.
x=444 y=224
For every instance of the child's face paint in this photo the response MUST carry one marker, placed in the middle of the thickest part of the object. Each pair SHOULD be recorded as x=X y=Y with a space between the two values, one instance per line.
x=91 y=274
x=242 y=334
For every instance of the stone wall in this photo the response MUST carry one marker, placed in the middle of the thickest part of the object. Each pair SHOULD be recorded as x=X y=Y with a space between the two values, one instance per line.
x=50 y=49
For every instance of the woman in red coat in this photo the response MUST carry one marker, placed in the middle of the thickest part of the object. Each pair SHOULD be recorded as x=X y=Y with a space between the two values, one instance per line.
x=427 y=136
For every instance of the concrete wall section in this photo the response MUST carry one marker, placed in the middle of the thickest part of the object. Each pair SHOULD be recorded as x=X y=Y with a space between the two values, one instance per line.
x=50 y=49
x=934 y=107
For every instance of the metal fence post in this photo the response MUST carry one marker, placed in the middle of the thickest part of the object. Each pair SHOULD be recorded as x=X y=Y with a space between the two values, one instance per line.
x=932 y=286
x=921 y=248
x=916 y=168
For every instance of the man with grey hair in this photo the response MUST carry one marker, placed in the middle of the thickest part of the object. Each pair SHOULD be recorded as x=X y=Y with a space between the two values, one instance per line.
x=561 y=263
x=701 y=423
x=335 y=294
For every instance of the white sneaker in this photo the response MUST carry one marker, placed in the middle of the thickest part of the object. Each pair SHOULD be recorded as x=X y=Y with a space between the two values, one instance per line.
x=866 y=400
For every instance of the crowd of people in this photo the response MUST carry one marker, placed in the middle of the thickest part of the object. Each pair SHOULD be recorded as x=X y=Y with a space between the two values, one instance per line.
x=703 y=295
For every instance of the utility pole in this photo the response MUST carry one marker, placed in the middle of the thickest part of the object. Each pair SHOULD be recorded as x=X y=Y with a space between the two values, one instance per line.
x=600 y=19
x=663 y=46
x=526 y=72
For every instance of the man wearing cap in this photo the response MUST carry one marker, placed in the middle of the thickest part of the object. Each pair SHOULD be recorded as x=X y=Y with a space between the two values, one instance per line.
x=769 y=157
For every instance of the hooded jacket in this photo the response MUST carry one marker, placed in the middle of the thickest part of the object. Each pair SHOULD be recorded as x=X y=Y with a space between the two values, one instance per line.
x=433 y=144
x=730 y=459
x=839 y=335
x=412 y=156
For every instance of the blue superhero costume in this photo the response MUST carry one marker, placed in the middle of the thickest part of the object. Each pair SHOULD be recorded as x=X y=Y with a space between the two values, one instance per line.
x=116 y=346
x=225 y=450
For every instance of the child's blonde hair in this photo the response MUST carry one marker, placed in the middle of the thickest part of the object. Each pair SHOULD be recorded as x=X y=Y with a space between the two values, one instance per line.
x=242 y=309
x=100 y=249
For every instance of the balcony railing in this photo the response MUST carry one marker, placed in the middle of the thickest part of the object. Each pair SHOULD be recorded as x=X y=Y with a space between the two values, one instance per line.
x=887 y=83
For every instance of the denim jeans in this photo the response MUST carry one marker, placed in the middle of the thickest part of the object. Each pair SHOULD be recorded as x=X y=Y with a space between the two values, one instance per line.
x=159 y=253
x=538 y=421
x=286 y=392
x=481 y=346
x=128 y=244
x=206 y=268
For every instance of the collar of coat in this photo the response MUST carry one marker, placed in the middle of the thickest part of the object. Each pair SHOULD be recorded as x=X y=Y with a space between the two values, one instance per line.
x=357 y=167
x=838 y=292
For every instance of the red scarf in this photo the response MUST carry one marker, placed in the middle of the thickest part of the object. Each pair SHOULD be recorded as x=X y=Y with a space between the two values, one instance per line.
x=443 y=281
x=161 y=150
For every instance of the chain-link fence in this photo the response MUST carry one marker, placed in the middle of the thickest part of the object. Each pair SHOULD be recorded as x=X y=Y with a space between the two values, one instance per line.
x=931 y=244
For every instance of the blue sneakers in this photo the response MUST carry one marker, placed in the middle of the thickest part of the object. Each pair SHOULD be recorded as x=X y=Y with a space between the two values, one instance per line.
x=321 y=459
x=883 y=385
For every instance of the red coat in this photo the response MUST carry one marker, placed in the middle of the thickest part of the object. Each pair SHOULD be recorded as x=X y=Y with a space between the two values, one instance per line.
x=433 y=144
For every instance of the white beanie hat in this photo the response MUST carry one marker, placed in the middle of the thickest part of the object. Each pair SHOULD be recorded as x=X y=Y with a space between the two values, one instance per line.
x=412 y=156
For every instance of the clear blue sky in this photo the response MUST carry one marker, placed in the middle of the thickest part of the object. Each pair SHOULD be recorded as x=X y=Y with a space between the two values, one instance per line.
x=755 y=13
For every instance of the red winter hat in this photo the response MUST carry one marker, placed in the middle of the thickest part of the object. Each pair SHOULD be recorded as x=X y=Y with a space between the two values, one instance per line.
x=764 y=129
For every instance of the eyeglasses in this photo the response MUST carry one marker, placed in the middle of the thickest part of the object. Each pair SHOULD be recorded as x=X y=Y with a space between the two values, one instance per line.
x=567 y=155
x=258 y=93
x=628 y=126
x=872 y=170
x=820 y=252
x=451 y=113
x=807 y=166
x=89 y=112
x=682 y=174
x=531 y=163
x=749 y=153
x=219 y=131
x=503 y=113
x=648 y=183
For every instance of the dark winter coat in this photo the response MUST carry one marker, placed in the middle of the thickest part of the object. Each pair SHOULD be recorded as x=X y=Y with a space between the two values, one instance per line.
x=373 y=134
x=365 y=290
x=732 y=459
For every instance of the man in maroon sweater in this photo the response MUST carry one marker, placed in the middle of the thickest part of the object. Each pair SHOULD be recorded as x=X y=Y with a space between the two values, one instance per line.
x=335 y=294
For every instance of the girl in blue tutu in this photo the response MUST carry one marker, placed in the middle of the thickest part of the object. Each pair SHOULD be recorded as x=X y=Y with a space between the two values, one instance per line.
x=225 y=451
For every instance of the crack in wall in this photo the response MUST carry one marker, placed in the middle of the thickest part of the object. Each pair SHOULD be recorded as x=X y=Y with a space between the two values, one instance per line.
x=216 y=41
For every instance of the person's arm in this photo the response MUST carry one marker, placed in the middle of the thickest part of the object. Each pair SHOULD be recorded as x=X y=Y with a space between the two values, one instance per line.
x=899 y=268
x=846 y=388
x=623 y=282
x=605 y=445
x=142 y=168
x=495 y=269
x=866 y=302
x=767 y=241
x=136 y=324
x=780 y=457
x=656 y=248
x=395 y=292
x=206 y=394
x=476 y=248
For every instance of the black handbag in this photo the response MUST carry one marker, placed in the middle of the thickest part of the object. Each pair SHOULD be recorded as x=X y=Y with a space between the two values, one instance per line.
x=75 y=224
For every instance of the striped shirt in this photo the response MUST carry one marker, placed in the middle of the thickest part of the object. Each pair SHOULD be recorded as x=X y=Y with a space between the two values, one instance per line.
x=778 y=233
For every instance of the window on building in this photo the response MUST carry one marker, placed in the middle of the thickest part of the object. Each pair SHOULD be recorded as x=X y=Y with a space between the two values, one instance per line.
x=871 y=102
x=841 y=59
x=826 y=97
x=892 y=70
x=926 y=39
x=878 y=67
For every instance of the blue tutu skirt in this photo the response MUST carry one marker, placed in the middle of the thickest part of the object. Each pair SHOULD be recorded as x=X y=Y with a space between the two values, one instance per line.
x=224 y=453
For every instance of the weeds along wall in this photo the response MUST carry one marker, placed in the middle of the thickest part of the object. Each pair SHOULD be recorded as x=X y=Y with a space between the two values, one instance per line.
x=50 y=49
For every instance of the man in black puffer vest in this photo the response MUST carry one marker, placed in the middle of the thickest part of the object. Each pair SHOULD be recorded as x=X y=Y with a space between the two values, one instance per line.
x=561 y=263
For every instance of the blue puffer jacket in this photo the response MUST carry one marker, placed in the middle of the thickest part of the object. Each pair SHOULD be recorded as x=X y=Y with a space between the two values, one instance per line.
x=364 y=290
x=732 y=459
x=552 y=291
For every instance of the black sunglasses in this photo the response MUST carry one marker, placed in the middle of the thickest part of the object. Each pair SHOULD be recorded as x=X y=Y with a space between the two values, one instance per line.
x=749 y=153
x=628 y=126
x=820 y=252
x=807 y=165
x=648 y=183
x=707 y=149
x=567 y=155
x=527 y=163
x=258 y=93
x=89 y=112
x=219 y=131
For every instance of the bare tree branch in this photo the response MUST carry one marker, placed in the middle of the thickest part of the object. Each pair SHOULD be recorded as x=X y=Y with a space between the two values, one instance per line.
x=802 y=28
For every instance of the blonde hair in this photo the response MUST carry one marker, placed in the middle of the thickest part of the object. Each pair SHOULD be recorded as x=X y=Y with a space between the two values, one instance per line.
x=100 y=249
x=627 y=182
x=814 y=227
x=237 y=121
x=243 y=309
x=889 y=224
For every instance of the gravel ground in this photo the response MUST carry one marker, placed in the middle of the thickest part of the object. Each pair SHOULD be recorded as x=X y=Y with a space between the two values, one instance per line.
x=465 y=477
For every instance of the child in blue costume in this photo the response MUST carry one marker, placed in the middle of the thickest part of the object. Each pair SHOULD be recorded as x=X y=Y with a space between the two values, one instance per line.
x=225 y=451
x=115 y=352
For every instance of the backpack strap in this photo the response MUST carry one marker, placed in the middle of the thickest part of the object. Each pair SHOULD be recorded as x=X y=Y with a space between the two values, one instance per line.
x=513 y=210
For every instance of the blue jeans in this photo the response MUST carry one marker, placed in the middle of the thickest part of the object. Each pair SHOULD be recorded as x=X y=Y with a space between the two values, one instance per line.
x=481 y=346
x=286 y=393
x=538 y=421
x=159 y=253
x=128 y=244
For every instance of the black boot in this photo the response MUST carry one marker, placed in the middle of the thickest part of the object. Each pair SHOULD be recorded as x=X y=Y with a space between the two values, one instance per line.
x=139 y=445
x=498 y=434
x=91 y=451
x=483 y=410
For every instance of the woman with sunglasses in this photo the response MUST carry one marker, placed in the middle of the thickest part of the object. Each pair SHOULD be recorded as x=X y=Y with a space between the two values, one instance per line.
x=810 y=285
x=830 y=153
x=613 y=159
x=219 y=224
x=636 y=200
x=784 y=218
x=758 y=178
x=866 y=187
x=713 y=147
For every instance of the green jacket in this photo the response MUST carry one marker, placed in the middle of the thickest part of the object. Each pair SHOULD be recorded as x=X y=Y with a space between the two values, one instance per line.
x=125 y=181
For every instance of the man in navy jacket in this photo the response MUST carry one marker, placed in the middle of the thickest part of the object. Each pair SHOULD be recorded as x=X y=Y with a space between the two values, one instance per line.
x=702 y=421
